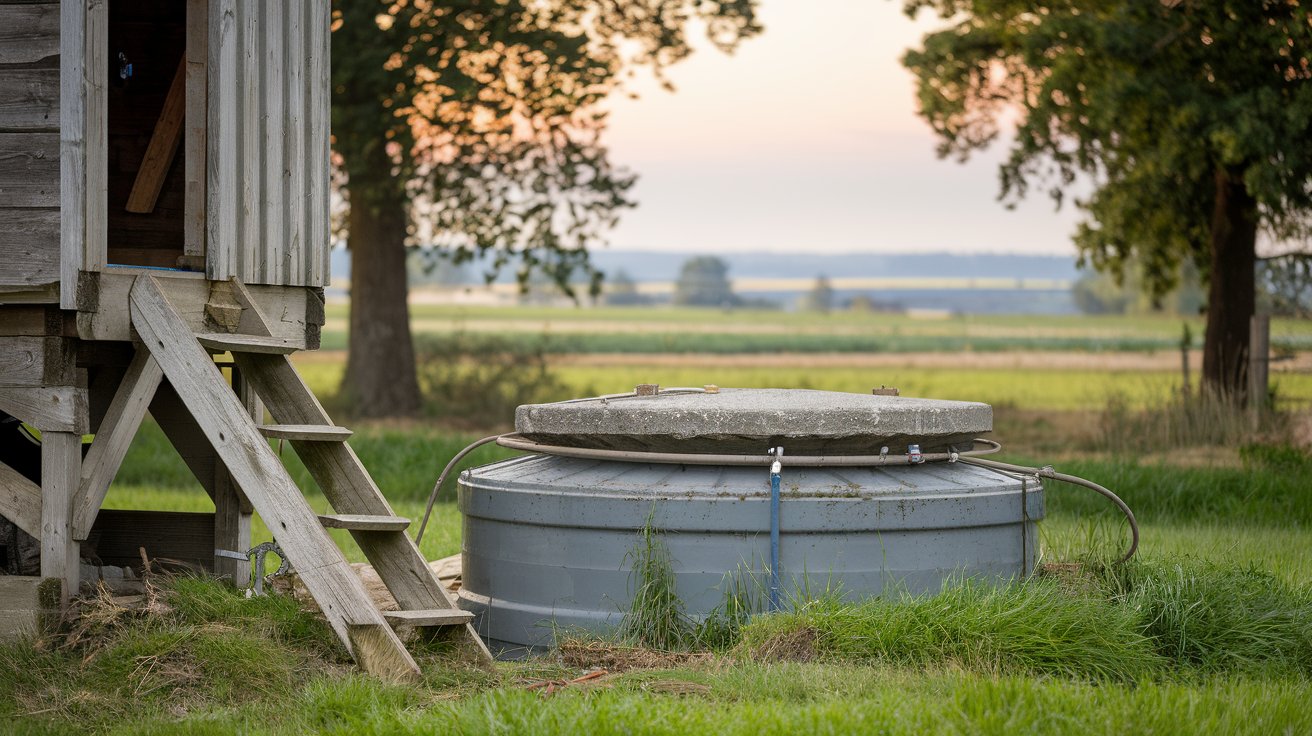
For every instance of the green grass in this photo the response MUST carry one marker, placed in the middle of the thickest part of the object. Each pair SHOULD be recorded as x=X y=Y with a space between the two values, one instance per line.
x=1209 y=632
x=1036 y=628
x=1124 y=623
x=1052 y=389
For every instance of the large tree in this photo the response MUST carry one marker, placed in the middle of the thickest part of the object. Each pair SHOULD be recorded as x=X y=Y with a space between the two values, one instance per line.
x=475 y=126
x=1191 y=117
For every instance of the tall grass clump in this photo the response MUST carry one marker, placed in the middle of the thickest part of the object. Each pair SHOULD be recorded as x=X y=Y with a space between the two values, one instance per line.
x=656 y=617
x=1182 y=420
x=1204 y=617
x=1039 y=627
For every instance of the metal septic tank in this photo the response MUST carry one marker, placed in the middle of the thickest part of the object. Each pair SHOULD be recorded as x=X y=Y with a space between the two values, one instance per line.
x=868 y=498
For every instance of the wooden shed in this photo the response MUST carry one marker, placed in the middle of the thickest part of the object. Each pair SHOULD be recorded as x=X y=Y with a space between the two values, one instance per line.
x=164 y=246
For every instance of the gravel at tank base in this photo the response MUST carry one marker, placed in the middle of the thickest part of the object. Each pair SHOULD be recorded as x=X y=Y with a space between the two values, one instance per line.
x=747 y=420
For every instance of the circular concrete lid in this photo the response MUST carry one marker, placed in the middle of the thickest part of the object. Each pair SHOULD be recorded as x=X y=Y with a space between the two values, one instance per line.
x=753 y=420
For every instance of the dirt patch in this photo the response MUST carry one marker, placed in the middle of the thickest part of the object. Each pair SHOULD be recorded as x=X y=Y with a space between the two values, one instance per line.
x=797 y=645
x=619 y=658
x=1074 y=577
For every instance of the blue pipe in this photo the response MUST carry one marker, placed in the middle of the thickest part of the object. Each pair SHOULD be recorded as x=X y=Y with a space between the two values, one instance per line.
x=774 y=537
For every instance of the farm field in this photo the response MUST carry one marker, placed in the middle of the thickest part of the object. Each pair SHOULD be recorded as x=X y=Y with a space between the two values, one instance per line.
x=1042 y=363
x=684 y=330
x=1209 y=631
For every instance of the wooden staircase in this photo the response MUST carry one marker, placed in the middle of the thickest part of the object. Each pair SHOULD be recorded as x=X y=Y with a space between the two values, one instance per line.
x=243 y=446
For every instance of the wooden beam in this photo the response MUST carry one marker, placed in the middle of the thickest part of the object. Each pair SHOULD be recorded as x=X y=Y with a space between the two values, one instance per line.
x=110 y=446
x=308 y=432
x=20 y=501
x=163 y=147
x=95 y=245
x=37 y=361
x=184 y=434
x=223 y=144
x=49 y=408
x=194 y=162
x=47 y=293
x=34 y=320
x=318 y=85
x=440 y=617
x=103 y=310
x=365 y=522
x=61 y=460
x=232 y=509
x=259 y=472
x=271 y=261
x=71 y=34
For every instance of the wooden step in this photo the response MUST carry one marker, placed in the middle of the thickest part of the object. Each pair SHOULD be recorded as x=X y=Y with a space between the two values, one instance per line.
x=258 y=471
x=307 y=432
x=365 y=522
x=434 y=617
x=231 y=343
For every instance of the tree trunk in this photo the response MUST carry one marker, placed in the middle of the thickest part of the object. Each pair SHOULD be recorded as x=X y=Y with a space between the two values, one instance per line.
x=1231 y=299
x=380 y=367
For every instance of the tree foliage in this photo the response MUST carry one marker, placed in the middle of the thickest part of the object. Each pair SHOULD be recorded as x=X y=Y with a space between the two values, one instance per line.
x=1191 y=117
x=476 y=127
x=485 y=115
x=704 y=282
x=821 y=296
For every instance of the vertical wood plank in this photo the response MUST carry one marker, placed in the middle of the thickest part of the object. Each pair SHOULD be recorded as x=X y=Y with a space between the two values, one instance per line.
x=61 y=460
x=222 y=145
x=232 y=510
x=317 y=121
x=97 y=131
x=72 y=148
x=194 y=152
x=250 y=240
x=294 y=162
x=1259 y=361
x=275 y=169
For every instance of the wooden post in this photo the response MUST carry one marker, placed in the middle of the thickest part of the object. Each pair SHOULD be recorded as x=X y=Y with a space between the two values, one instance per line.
x=232 y=510
x=61 y=473
x=1259 y=361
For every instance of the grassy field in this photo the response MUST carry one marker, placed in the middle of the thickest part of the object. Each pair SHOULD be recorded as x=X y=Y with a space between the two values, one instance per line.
x=1033 y=362
x=683 y=330
x=1209 y=631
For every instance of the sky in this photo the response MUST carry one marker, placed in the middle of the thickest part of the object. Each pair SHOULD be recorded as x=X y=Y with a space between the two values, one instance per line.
x=807 y=139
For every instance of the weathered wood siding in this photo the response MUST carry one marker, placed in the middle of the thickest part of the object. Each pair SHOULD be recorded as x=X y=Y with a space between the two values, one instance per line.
x=267 y=188
x=29 y=146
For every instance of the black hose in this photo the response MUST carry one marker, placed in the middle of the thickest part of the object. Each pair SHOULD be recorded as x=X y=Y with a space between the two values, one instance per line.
x=1048 y=472
x=432 y=497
